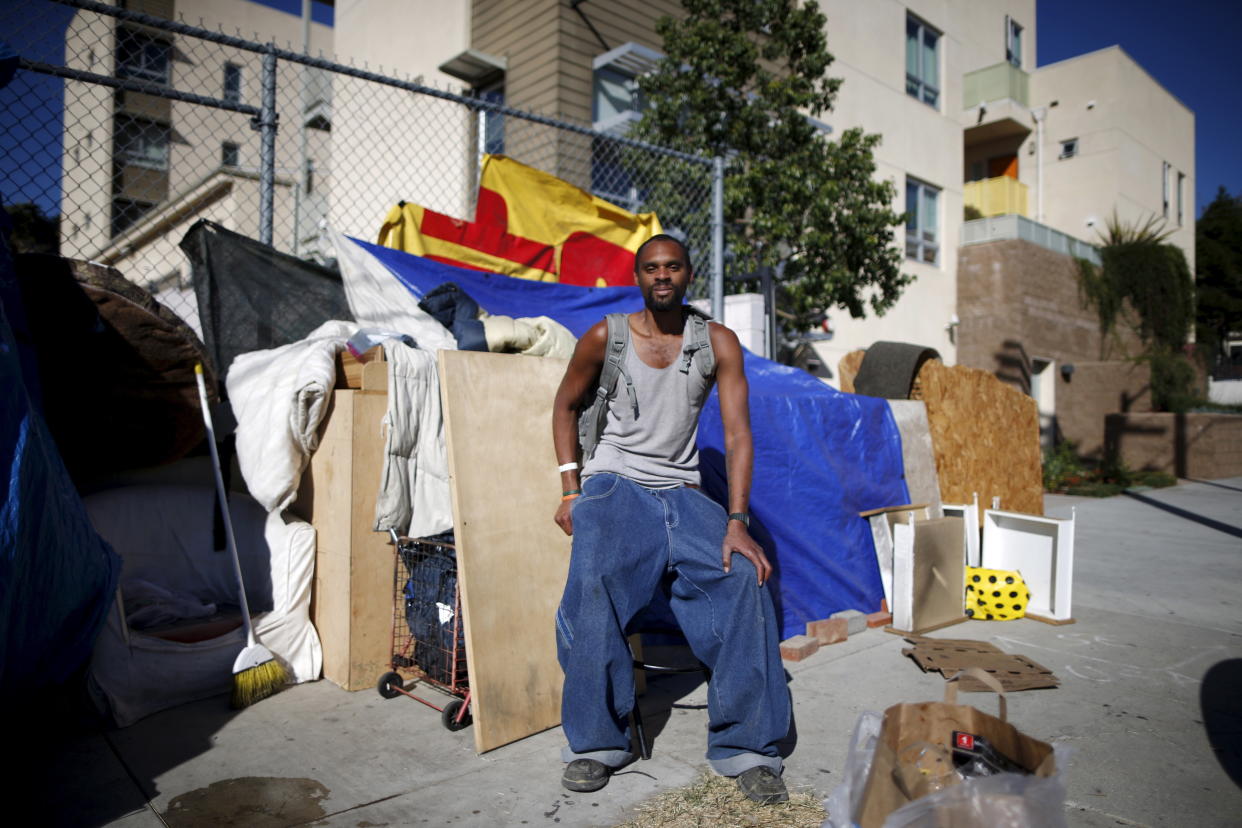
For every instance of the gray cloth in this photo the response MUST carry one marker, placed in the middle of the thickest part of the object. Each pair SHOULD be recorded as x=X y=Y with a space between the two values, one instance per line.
x=889 y=368
x=654 y=443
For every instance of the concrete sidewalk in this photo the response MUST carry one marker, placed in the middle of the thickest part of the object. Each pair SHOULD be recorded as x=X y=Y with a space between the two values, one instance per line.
x=1151 y=678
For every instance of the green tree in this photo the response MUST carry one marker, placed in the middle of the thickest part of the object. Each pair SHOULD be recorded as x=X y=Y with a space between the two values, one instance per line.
x=739 y=80
x=1218 y=272
x=1146 y=282
x=33 y=232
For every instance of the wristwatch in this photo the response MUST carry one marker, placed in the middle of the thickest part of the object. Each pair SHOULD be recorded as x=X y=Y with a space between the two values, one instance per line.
x=744 y=517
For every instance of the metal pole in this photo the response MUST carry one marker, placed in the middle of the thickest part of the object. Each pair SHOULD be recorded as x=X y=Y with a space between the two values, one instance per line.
x=303 y=99
x=266 y=124
x=718 y=239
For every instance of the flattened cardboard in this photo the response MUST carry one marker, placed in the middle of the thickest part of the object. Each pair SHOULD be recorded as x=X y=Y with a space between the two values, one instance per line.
x=951 y=656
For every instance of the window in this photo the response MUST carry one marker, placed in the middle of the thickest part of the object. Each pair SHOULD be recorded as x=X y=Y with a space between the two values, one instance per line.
x=230 y=154
x=922 y=238
x=1069 y=148
x=1013 y=42
x=491 y=124
x=141 y=142
x=232 y=83
x=1164 y=185
x=922 y=61
x=126 y=212
x=1181 y=189
x=616 y=100
x=141 y=56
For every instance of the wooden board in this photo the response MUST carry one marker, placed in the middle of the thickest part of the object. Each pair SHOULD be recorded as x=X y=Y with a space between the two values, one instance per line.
x=929 y=574
x=352 y=594
x=968 y=512
x=512 y=559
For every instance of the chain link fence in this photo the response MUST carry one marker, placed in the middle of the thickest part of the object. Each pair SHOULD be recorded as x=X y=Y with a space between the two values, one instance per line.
x=126 y=127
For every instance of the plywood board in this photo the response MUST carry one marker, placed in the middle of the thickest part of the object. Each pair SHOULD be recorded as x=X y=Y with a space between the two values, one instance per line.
x=929 y=574
x=512 y=559
x=1041 y=549
x=351 y=604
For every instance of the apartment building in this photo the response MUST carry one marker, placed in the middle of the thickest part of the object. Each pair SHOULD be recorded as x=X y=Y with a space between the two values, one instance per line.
x=139 y=169
x=1006 y=172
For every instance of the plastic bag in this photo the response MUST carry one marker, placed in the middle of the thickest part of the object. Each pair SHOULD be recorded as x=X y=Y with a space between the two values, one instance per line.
x=999 y=801
x=846 y=797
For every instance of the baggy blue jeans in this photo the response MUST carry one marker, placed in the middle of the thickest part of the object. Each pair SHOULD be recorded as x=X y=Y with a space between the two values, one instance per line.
x=626 y=538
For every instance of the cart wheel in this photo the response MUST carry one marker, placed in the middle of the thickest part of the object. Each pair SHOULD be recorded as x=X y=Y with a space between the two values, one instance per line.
x=448 y=717
x=389 y=685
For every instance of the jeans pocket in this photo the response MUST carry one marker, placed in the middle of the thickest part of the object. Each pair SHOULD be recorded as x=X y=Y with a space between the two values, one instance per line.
x=598 y=490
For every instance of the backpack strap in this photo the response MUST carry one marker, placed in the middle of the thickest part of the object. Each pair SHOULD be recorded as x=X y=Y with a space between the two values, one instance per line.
x=697 y=339
x=591 y=421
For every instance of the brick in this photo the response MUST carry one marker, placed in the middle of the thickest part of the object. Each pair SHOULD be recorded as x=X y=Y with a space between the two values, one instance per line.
x=879 y=619
x=798 y=647
x=883 y=605
x=829 y=630
x=855 y=620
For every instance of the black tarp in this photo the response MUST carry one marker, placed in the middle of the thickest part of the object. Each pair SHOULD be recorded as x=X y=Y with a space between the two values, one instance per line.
x=252 y=297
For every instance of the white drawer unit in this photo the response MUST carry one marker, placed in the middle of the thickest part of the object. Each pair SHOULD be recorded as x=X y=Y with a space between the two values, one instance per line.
x=1042 y=550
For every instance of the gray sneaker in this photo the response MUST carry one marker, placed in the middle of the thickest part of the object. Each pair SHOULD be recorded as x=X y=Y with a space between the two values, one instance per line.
x=586 y=775
x=761 y=784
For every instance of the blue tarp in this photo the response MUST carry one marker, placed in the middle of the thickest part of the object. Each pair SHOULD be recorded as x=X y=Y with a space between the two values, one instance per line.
x=821 y=456
x=57 y=576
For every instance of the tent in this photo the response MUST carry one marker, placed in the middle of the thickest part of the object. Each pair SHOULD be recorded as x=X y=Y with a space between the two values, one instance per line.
x=57 y=575
x=821 y=456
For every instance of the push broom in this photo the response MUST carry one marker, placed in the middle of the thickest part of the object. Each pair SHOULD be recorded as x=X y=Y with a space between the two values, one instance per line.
x=256 y=672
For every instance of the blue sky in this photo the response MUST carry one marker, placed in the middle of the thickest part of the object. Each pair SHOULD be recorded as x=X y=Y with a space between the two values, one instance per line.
x=1191 y=47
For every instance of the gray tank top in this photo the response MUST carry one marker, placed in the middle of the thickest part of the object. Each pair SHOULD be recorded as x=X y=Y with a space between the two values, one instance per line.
x=655 y=446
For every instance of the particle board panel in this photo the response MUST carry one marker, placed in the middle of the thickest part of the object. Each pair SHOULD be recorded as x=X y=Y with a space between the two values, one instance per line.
x=512 y=559
x=1041 y=549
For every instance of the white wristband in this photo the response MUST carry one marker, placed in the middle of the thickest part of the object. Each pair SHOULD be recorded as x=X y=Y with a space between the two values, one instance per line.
x=564 y=467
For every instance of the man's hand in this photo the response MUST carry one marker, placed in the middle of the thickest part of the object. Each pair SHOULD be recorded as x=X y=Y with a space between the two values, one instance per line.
x=737 y=539
x=564 y=517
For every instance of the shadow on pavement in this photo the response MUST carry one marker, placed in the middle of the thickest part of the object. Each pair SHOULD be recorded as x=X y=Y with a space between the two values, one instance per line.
x=1185 y=513
x=1220 y=698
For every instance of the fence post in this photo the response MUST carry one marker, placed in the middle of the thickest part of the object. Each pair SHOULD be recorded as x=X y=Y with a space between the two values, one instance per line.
x=718 y=239
x=265 y=122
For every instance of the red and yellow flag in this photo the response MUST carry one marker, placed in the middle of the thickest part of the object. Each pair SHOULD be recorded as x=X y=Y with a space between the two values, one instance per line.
x=531 y=225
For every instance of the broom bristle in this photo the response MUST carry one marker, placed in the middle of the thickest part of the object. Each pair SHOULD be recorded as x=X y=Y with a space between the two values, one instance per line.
x=258 y=682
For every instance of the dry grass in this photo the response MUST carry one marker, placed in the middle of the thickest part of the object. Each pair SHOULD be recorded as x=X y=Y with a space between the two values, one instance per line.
x=715 y=801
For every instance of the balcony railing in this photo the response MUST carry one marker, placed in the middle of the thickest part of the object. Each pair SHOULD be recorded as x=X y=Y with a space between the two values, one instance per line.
x=1000 y=228
x=1004 y=80
x=1001 y=196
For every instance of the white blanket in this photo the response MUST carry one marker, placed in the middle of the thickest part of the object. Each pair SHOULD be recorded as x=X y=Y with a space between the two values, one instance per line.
x=378 y=300
x=164 y=536
x=414 y=494
x=531 y=335
x=279 y=397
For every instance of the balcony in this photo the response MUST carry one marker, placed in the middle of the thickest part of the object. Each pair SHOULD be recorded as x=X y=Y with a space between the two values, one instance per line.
x=995 y=103
x=1001 y=228
x=995 y=83
x=1002 y=196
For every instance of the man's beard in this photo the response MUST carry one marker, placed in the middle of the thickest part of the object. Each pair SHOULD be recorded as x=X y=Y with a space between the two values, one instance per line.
x=670 y=302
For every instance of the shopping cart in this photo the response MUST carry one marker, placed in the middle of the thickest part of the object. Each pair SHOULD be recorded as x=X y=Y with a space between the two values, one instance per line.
x=428 y=644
